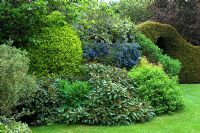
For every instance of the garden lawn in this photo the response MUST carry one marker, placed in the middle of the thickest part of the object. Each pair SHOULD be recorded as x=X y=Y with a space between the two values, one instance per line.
x=185 y=121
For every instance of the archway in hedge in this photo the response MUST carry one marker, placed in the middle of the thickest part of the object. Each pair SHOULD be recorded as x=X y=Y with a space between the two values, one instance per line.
x=173 y=44
x=161 y=43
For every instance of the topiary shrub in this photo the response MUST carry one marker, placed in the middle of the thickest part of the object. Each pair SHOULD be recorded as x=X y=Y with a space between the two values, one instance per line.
x=56 y=49
x=155 y=86
x=122 y=55
x=15 y=84
x=156 y=55
x=166 y=37
x=8 y=125
x=111 y=101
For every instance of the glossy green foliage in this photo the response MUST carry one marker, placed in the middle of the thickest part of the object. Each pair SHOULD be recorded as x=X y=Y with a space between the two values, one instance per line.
x=155 y=86
x=56 y=49
x=93 y=72
x=15 y=84
x=111 y=101
x=50 y=100
x=73 y=93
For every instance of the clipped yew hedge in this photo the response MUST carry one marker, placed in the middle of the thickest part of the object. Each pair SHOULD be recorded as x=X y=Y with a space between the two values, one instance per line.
x=173 y=44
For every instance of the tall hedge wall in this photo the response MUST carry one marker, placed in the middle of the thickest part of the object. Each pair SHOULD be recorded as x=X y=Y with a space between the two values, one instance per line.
x=173 y=44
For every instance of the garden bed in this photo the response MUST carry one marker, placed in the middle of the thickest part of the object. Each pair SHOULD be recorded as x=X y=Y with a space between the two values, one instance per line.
x=184 y=121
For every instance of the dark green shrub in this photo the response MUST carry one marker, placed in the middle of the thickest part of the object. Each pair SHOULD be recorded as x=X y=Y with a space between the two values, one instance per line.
x=57 y=49
x=51 y=98
x=112 y=100
x=15 y=84
x=8 y=125
x=42 y=107
x=155 y=55
x=111 y=104
x=108 y=98
x=155 y=86
x=103 y=72
x=18 y=20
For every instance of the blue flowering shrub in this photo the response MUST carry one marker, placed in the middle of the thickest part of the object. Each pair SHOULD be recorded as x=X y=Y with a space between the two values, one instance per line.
x=122 y=55
x=126 y=55
x=93 y=51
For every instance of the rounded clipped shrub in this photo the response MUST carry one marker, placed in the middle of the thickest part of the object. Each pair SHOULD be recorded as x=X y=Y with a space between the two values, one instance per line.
x=15 y=83
x=111 y=101
x=122 y=55
x=56 y=49
x=167 y=38
x=155 y=86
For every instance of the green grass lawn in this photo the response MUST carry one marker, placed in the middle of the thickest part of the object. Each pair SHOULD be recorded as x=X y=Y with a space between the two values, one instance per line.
x=185 y=121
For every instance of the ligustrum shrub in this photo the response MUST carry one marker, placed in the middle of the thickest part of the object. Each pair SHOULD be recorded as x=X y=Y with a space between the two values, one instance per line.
x=155 y=86
x=42 y=107
x=56 y=49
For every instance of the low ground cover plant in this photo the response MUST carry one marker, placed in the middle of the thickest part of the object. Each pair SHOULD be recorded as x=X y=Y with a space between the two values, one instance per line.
x=8 y=125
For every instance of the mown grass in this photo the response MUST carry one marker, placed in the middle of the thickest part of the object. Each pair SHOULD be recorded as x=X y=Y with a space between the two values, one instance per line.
x=185 y=121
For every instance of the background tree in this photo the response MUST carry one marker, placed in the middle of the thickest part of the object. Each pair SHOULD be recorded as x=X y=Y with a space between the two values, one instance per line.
x=136 y=10
x=184 y=15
